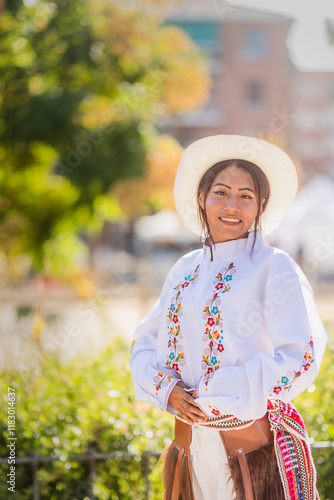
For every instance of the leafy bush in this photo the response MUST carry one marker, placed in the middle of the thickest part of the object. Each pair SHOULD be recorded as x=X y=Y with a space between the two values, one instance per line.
x=316 y=407
x=66 y=410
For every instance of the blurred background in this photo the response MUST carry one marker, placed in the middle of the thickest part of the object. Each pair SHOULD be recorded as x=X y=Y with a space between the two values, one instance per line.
x=98 y=99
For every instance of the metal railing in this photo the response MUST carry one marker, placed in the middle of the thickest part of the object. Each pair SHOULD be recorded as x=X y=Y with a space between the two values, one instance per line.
x=91 y=457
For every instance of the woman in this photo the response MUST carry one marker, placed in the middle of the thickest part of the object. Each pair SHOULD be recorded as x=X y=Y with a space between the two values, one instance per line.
x=235 y=334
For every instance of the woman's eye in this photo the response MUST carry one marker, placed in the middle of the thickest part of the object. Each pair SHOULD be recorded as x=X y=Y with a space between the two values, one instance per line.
x=244 y=196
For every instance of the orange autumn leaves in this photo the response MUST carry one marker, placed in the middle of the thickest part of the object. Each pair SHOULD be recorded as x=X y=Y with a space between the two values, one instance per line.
x=155 y=190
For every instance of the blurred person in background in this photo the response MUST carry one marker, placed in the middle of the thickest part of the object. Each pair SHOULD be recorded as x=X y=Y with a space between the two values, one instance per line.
x=235 y=334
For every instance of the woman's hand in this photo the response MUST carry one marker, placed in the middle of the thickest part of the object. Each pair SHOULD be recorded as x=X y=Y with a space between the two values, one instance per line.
x=185 y=404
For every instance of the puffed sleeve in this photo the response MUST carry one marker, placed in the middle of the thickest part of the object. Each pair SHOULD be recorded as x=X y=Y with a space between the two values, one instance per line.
x=150 y=383
x=295 y=330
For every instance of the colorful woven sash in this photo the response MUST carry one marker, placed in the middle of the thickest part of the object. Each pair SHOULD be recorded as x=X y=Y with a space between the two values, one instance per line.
x=292 y=448
x=293 y=452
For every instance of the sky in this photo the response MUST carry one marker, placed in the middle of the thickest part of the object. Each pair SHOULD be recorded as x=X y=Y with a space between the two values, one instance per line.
x=307 y=39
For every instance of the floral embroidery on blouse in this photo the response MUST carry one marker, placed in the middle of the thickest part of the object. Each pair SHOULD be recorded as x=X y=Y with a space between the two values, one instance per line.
x=213 y=335
x=215 y=411
x=161 y=380
x=175 y=359
x=290 y=378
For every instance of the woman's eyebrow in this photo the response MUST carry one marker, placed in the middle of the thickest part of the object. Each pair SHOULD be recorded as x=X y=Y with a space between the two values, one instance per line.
x=240 y=189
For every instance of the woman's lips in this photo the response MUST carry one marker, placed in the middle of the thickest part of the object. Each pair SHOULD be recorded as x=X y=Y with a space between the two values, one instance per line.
x=230 y=221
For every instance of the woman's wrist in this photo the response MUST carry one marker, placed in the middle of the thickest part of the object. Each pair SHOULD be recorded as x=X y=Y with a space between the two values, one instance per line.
x=192 y=392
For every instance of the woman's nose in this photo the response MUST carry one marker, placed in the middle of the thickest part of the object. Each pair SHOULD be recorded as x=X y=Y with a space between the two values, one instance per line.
x=231 y=203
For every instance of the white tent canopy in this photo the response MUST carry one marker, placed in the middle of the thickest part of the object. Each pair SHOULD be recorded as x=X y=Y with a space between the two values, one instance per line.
x=307 y=232
x=164 y=226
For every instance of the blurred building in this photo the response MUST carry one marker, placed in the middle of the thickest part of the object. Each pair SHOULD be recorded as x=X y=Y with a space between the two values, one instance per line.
x=313 y=124
x=256 y=88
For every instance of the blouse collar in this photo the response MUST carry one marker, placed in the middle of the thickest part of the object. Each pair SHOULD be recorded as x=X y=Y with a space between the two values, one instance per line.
x=233 y=248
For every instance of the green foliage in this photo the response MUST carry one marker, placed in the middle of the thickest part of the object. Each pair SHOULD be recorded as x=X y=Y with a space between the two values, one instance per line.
x=54 y=166
x=120 y=145
x=62 y=410
x=66 y=410
x=79 y=82
x=316 y=407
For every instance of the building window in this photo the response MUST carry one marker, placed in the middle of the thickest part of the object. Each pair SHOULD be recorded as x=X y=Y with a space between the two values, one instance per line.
x=205 y=34
x=255 y=95
x=256 y=44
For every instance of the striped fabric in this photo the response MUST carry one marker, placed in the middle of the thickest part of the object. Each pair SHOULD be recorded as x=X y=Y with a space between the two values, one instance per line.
x=293 y=452
x=292 y=448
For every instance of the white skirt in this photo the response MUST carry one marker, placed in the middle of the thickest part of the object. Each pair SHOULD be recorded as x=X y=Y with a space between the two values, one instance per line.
x=209 y=465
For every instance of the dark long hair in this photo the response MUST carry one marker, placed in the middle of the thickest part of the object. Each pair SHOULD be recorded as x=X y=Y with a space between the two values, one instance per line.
x=261 y=186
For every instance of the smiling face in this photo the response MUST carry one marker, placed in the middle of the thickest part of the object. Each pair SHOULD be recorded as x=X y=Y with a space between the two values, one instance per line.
x=231 y=205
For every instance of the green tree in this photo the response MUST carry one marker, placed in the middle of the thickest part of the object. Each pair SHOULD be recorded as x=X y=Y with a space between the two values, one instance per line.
x=81 y=82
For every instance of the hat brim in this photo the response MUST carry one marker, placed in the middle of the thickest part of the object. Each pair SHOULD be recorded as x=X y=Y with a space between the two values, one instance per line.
x=204 y=153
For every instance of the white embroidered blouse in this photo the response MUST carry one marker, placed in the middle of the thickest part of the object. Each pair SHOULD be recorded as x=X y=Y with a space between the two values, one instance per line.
x=240 y=328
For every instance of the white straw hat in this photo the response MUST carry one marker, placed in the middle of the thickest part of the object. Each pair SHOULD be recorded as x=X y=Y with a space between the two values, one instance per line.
x=204 y=153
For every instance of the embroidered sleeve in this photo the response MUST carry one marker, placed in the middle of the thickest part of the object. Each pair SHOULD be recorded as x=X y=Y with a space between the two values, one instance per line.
x=150 y=383
x=297 y=335
x=154 y=383
x=291 y=377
